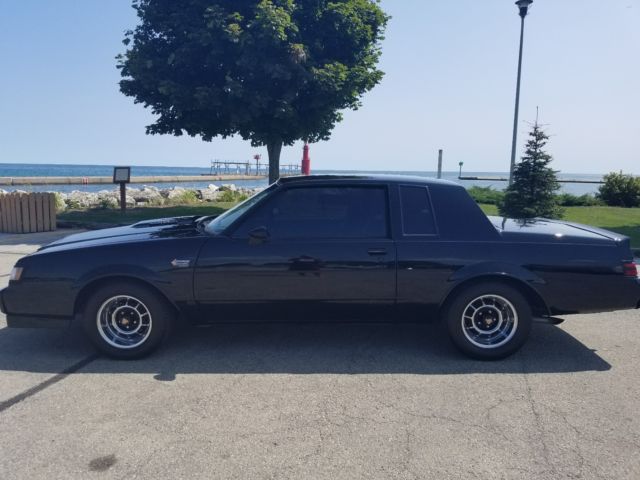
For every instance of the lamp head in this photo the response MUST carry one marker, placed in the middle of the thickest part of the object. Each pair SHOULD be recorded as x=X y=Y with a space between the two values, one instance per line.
x=524 y=5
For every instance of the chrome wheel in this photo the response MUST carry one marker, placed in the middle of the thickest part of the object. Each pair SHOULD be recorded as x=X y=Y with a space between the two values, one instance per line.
x=124 y=322
x=489 y=321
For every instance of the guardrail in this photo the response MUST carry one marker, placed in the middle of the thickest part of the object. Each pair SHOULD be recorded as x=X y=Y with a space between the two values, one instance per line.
x=27 y=212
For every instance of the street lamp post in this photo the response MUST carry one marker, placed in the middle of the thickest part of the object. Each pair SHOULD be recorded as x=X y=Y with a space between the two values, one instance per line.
x=523 y=6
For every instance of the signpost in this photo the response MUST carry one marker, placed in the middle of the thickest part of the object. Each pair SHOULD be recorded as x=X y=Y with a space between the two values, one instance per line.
x=122 y=176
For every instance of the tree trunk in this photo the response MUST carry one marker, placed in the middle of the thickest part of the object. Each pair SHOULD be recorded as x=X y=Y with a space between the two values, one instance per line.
x=274 y=148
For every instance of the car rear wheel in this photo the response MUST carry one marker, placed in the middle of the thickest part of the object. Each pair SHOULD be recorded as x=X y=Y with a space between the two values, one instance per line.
x=125 y=320
x=489 y=321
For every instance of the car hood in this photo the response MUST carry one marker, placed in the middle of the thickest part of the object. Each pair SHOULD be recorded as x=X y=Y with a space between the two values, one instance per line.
x=177 y=227
x=556 y=231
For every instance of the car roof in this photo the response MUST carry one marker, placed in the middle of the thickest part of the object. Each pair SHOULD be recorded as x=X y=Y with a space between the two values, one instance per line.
x=366 y=178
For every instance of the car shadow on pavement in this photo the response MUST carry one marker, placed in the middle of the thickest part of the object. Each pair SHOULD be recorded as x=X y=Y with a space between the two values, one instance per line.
x=299 y=349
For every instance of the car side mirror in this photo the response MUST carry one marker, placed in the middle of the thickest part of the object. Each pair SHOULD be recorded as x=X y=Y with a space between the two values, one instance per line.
x=259 y=235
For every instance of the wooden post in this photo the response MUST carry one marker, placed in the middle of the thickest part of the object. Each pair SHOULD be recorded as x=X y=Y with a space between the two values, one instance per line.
x=24 y=211
x=52 y=211
x=440 y=163
x=33 y=222
x=39 y=213
x=45 y=212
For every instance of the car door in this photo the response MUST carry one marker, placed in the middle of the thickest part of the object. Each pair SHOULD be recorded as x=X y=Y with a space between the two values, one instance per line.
x=307 y=252
x=424 y=261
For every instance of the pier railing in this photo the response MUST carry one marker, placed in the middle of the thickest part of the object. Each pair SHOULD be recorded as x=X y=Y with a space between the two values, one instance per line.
x=256 y=168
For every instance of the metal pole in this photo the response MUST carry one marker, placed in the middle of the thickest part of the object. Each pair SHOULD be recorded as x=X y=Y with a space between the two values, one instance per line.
x=515 y=118
x=123 y=197
x=439 y=163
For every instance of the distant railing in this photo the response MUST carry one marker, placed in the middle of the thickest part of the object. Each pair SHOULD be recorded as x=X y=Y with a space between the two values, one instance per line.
x=221 y=167
x=27 y=212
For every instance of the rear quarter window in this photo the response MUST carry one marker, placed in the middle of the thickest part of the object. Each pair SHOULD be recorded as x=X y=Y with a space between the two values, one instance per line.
x=459 y=216
x=417 y=211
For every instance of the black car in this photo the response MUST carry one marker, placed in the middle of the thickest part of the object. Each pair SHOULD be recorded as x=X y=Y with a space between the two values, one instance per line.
x=331 y=249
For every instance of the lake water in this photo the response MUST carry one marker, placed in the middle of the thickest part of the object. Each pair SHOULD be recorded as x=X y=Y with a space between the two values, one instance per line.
x=50 y=170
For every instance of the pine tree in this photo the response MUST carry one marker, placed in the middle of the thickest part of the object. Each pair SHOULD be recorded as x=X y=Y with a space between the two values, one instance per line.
x=532 y=192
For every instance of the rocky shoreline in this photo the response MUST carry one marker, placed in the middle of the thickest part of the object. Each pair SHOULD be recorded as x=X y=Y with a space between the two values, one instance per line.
x=150 y=196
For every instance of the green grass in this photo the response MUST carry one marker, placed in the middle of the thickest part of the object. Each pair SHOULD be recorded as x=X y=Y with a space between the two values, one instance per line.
x=620 y=220
x=132 y=215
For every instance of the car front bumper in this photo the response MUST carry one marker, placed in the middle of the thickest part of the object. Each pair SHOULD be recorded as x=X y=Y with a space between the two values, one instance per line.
x=30 y=321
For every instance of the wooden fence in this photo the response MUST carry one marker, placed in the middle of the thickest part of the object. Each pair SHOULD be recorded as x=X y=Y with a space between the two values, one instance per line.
x=27 y=212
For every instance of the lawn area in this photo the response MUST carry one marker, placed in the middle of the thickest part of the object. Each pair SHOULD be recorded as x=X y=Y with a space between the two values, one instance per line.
x=132 y=215
x=621 y=220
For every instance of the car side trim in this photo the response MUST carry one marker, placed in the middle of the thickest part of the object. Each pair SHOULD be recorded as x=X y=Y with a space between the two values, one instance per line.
x=23 y=321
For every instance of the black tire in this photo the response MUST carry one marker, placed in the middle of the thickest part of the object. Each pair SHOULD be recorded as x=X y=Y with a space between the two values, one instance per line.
x=118 y=302
x=489 y=304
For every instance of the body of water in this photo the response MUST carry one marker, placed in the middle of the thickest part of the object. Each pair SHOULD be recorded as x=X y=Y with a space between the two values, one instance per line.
x=51 y=170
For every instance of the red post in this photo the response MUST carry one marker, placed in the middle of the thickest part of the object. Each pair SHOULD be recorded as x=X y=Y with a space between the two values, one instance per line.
x=306 y=161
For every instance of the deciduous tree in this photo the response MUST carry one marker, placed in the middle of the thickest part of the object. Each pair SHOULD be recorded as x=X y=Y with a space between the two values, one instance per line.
x=271 y=71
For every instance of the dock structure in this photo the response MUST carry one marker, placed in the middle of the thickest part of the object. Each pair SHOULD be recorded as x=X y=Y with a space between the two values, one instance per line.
x=506 y=179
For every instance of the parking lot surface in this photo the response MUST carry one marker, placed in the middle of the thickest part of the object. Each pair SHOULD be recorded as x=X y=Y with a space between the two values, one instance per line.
x=320 y=401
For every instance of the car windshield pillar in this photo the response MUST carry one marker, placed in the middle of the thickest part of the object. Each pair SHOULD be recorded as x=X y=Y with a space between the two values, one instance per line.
x=220 y=224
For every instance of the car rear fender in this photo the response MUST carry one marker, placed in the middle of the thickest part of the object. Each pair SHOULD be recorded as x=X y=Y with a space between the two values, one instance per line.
x=514 y=275
x=497 y=269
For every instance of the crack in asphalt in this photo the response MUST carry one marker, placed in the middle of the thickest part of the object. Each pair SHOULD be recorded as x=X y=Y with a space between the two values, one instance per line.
x=6 y=404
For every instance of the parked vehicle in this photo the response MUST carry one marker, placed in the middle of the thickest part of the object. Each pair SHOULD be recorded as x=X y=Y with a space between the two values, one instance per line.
x=331 y=249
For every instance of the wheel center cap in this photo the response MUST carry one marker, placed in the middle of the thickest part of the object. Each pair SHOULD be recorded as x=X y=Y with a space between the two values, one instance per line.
x=486 y=319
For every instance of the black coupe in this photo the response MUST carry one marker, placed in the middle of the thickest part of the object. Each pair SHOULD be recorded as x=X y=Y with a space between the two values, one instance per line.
x=327 y=248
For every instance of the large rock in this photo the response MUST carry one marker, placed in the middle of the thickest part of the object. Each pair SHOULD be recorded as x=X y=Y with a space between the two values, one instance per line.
x=111 y=199
x=175 y=192
x=210 y=194
x=79 y=200
x=148 y=195
x=229 y=187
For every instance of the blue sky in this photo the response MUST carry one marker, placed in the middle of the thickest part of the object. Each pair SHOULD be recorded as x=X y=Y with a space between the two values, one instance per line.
x=450 y=84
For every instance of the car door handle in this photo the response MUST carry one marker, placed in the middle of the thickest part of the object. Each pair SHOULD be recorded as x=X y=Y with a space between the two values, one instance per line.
x=377 y=252
x=306 y=260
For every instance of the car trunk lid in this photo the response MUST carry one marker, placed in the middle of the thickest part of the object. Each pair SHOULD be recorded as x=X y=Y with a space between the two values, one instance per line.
x=556 y=231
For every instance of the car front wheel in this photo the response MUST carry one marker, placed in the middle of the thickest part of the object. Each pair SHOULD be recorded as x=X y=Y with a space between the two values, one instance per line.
x=489 y=321
x=126 y=320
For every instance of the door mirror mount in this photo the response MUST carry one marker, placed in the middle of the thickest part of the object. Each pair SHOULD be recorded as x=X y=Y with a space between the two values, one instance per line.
x=259 y=235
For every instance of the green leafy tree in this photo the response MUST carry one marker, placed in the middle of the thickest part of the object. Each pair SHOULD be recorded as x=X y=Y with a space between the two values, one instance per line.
x=620 y=190
x=271 y=71
x=532 y=192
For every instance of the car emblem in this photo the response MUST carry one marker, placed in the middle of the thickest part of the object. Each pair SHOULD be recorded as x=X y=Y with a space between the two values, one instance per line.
x=176 y=263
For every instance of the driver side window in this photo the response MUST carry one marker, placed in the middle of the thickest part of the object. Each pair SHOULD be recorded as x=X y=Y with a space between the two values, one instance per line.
x=322 y=212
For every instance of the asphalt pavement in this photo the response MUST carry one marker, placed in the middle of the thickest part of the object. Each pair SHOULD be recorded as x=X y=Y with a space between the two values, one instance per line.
x=320 y=401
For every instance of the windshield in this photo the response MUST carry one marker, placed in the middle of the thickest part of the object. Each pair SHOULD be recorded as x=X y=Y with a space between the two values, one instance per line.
x=220 y=224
